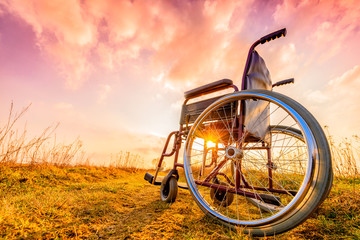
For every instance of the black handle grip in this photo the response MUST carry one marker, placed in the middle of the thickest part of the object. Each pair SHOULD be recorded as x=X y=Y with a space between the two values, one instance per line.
x=283 y=82
x=274 y=35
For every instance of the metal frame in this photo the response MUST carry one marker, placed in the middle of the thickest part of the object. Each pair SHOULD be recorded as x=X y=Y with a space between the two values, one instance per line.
x=237 y=187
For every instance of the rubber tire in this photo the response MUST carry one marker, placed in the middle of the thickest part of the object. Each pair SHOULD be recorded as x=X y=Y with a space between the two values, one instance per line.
x=319 y=187
x=322 y=182
x=169 y=190
x=219 y=199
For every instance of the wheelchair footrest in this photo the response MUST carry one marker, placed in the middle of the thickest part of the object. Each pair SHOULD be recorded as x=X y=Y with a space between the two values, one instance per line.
x=149 y=177
x=183 y=185
x=275 y=200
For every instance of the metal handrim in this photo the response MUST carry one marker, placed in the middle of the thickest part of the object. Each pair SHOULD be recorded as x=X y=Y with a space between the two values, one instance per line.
x=309 y=139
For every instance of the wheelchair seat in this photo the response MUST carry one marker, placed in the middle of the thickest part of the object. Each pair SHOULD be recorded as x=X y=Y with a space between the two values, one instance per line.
x=208 y=88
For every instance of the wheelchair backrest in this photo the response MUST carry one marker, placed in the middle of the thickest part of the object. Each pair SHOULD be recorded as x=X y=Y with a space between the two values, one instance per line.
x=258 y=77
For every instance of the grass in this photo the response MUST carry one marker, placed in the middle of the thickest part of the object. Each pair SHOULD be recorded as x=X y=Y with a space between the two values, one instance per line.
x=345 y=155
x=48 y=190
x=16 y=147
x=52 y=202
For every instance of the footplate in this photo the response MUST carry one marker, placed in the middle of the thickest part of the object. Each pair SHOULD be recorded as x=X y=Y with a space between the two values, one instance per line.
x=149 y=177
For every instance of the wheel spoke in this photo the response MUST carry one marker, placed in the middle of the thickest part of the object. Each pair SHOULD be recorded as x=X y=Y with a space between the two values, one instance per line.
x=256 y=173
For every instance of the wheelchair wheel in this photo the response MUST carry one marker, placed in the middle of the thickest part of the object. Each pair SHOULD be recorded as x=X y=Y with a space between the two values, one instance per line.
x=221 y=198
x=280 y=135
x=277 y=177
x=169 y=189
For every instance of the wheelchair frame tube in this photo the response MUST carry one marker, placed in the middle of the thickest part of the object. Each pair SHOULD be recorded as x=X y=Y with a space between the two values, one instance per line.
x=175 y=149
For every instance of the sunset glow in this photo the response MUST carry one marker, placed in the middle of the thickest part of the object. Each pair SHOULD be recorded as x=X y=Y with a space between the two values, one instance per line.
x=210 y=144
x=113 y=72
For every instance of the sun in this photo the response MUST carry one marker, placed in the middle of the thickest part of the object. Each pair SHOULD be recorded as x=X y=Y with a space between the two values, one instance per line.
x=210 y=144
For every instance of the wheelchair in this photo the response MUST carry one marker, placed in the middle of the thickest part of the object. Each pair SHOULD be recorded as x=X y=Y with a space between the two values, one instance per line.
x=254 y=159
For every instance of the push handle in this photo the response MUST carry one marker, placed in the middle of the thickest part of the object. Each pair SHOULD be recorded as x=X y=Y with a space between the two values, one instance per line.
x=283 y=82
x=273 y=36
x=267 y=38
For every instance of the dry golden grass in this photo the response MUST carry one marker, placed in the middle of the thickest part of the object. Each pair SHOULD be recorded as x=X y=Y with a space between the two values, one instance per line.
x=345 y=155
x=52 y=202
x=16 y=147
x=45 y=195
x=127 y=160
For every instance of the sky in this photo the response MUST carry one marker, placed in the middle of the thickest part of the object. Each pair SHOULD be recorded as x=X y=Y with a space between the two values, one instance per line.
x=113 y=72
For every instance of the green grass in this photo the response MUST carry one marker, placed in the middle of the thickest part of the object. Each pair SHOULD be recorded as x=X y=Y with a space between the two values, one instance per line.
x=48 y=202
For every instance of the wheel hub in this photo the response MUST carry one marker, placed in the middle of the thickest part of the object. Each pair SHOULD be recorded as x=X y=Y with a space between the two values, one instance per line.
x=234 y=153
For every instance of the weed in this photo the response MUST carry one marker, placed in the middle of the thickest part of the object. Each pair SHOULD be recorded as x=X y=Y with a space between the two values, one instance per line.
x=126 y=160
x=345 y=155
x=44 y=194
x=15 y=147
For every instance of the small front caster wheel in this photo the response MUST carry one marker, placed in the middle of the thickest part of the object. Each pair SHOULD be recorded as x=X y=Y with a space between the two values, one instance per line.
x=221 y=197
x=169 y=189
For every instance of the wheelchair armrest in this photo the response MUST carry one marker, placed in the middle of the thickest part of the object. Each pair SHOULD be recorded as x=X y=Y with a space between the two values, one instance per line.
x=209 y=88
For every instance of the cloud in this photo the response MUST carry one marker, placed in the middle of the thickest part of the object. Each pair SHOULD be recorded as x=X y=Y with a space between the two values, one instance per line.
x=350 y=79
x=63 y=31
x=282 y=61
x=337 y=104
x=326 y=25
x=71 y=62
x=106 y=56
x=343 y=94
x=202 y=42
x=317 y=96
x=187 y=40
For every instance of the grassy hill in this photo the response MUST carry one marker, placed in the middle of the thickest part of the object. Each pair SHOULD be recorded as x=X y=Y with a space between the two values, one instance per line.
x=49 y=202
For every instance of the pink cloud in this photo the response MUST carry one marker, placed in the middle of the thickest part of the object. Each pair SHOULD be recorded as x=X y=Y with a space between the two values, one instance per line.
x=106 y=56
x=327 y=25
x=72 y=62
x=184 y=37
x=188 y=41
x=347 y=82
x=63 y=32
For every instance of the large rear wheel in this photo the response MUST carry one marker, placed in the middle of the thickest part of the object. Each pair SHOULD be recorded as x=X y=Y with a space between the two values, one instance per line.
x=276 y=176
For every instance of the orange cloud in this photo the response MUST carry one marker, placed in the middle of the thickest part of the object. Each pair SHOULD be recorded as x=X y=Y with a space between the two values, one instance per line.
x=63 y=31
x=327 y=25
x=183 y=37
x=337 y=102
x=187 y=40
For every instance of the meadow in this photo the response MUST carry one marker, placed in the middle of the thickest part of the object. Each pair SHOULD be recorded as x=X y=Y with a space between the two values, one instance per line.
x=55 y=202
x=50 y=190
